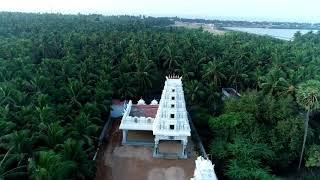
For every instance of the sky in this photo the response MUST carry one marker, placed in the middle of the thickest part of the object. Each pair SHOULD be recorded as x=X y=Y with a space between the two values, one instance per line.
x=251 y=10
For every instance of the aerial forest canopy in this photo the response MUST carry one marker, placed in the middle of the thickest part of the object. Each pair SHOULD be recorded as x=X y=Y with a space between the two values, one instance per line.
x=58 y=74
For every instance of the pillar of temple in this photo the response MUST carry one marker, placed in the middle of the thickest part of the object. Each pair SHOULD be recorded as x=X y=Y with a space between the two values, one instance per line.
x=124 y=136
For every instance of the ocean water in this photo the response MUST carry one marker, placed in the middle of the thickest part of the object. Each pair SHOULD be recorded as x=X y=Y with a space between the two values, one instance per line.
x=285 y=34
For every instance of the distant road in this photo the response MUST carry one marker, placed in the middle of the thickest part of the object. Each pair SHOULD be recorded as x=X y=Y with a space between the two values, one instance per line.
x=206 y=27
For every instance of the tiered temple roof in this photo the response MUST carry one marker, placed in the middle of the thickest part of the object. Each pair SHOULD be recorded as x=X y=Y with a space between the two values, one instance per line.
x=172 y=116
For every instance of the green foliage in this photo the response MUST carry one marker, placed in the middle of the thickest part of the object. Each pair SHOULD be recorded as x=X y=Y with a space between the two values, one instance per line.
x=231 y=124
x=50 y=165
x=212 y=72
x=247 y=170
x=54 y=93
x=256 y=134
x=194 y=91
x=58 y=74
x=308 y=94
x=7 y=168
x=218 y=148
x=313 y=156
x=249 y=103
x=244 y=149
x=247 y=160
x=286 y=141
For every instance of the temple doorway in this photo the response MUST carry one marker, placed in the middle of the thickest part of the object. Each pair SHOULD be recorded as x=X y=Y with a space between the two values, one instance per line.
x=139 y=137
x=170 y=147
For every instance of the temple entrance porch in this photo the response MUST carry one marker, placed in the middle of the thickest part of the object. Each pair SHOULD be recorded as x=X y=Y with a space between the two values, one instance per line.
x=137 y=137
x=171 y=149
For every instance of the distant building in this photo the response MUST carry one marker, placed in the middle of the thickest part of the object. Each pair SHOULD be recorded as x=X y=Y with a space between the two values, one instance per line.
x=204 y=170
x=164 y=126
x=117 y=108
x=229 y=92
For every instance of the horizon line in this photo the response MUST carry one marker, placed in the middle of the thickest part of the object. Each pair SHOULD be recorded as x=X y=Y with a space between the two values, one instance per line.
x=202 y=17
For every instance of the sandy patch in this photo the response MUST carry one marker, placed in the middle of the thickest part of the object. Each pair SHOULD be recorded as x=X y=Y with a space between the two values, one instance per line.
x=171 y=173
x=138 y=152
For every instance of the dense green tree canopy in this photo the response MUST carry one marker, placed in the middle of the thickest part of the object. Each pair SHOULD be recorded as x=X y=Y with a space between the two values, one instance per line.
x=58 y=74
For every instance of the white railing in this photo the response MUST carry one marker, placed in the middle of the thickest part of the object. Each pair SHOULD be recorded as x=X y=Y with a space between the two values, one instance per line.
x=137 y=123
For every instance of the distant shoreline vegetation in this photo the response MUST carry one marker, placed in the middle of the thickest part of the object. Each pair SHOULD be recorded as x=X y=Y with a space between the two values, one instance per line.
x=253 y=24
x=218 y=23
x=283 y=34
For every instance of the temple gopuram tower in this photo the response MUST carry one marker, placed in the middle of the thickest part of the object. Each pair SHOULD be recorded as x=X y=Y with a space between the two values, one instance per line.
x=171 y=125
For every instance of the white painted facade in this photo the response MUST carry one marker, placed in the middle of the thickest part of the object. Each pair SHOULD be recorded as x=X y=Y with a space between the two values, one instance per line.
x=171 y=122
x=172 y=111
x=171 y=119
x=204 y=170
x=133 y=122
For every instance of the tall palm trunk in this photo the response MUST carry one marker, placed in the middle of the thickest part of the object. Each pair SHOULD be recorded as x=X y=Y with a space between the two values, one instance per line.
x=304 y=138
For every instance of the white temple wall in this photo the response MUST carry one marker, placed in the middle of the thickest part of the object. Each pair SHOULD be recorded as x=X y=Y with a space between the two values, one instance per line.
x=179 y=138
x=135 y=123
x=127 y=110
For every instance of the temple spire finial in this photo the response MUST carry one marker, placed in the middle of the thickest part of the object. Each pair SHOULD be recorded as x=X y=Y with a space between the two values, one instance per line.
x=173 y=76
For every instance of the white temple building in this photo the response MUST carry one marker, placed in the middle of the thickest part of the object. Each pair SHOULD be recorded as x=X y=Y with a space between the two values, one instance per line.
x=204 y=170
x=164 y=125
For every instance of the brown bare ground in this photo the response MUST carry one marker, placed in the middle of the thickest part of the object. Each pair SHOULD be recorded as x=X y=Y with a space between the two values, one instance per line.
x=117 y=162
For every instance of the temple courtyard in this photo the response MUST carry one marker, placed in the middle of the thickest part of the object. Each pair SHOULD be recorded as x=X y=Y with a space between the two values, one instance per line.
x=128 y=162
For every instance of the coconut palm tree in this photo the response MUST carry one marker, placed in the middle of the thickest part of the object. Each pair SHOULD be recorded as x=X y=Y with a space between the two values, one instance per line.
x=144 y=74
x=124 y=86
x=273 y=82
x=186 y=70
x=308 y=94
x=83 y=128
x=72 y=150
x=52 y=134
x=19 y=142
x=5 y=170
x=213 y=72
x=6 y=94
x=6 y=125
x=49 y=165
x=194 y=91
x=170 y=60
x=213 y=97
x=238 y=75
x=73 y=90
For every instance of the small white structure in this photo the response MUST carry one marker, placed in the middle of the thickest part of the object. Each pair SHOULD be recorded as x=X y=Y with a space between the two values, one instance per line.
x=167 y=121
x=141 y=102
x=154 y=102
x=204 y=170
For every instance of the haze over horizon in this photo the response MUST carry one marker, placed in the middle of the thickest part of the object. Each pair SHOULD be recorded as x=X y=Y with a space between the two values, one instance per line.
x=250 y=10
